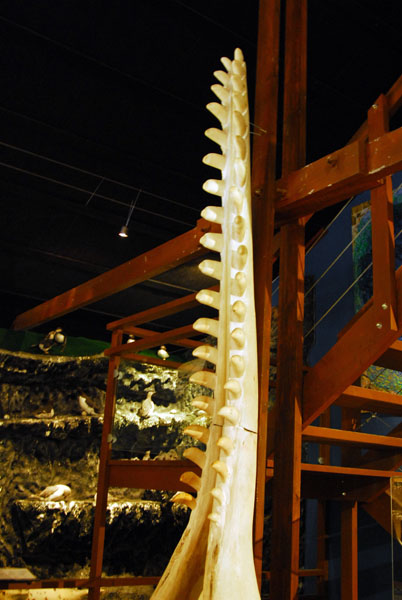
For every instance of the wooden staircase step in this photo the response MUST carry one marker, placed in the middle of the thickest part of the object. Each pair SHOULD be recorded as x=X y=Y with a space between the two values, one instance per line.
x=339 y=437
x=392 y=358
x=371 y=400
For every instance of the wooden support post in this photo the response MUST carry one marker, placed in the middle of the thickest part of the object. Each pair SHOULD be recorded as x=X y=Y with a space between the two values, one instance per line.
x=263 y=198
x=322 y=562
x=349 y=567
x=98 y=537
x=287 y=475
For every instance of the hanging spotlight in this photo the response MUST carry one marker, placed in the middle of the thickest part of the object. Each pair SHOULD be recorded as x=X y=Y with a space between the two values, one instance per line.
x=163 y=353
x=124 y=230
x=131 y=339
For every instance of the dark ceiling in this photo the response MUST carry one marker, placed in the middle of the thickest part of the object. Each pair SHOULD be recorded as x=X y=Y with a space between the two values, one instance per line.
x=102 y=104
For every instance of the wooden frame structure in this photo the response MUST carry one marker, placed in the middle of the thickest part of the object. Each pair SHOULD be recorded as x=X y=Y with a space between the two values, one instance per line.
x=367 y=162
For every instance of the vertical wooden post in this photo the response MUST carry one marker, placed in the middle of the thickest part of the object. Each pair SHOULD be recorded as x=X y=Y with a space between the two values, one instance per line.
x=263 y=197
x=286 y=486
x=349 y=571
x=98 y=536
x=322 y=562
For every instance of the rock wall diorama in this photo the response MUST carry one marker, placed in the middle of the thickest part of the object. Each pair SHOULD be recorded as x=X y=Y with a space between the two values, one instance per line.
x=51 y=412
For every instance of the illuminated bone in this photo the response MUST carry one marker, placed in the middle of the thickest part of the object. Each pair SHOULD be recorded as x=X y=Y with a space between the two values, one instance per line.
x=205 y=378
x=214 y=214
x=185 y=499
x=222 y=93
x=196 y=456
x=191 y=479
x=206 y=352
x=238 y=228
x=217 y=161
x=212 y=268
x=204 y=403
x=209 y=298
x=214 y=559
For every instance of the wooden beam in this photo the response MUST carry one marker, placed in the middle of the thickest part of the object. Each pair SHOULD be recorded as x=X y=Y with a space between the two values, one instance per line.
x=266 y=245
x=338 y=176
x=392 y=358
x=380 y=510
x=153 y=341
x=349 y=552
x=287 y=475
x=340 y=437
x=181 y=249
x=370 y=400
x=141 y=333
x=151 y=474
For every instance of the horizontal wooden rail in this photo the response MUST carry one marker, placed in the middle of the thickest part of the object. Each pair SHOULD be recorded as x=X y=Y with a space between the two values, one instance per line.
x=392 y=358
x=370 y=400
x=328 y=435
x=150 y=474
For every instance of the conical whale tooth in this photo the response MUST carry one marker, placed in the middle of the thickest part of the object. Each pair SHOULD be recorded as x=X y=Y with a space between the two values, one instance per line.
x=218 y=494
x=238 y=68
x=234 y=387
x=238 y=284
x=238 y=311
x=241 y=172
x=220 y=112
x=239 y=83
x=205 y=378
x=206 y=352
x=215 y=518
x=221 y=468
x=226 y=444
x=209 y=298
x=196 y=456
x=214 y=214
x=198 y=432
x=241 y=147
x=217 y=136
x=230 y=413
x=238 y=337
x=212 y=241
x=218 y=161
x=238 y=228
x=208 y=326
x=240 y=102
x=240 y=125
x=223 y=77
x=239 y=256
x=191 y=479
x=236 y=197
x=237 y=365
x=220 y=92
x=227 y=63
x=184 y=498
x=212 y=268
x=238 y=54
x=214 y=186
x=204 y=403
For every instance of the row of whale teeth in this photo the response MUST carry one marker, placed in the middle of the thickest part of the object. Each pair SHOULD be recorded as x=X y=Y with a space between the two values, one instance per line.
x=233 y=86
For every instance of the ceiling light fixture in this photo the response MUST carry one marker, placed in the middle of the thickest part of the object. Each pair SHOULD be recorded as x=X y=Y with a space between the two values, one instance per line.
x=124 y=230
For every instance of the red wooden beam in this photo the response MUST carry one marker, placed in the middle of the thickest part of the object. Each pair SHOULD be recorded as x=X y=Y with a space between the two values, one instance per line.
x=141 y=333
x=337 y=176
x=370 y=400
x=151 y=341
x=150 y=474
x=150 y=264
x=349 y=553
x=340 y=437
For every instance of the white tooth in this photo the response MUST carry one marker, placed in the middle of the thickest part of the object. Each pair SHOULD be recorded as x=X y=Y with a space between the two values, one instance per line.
x=226 y=444
x=238 y=54
x=220 y=113
x=218 y=494
x=184 y=498
x=237 y=365
x=238 y=311
x=208 y=326
x=221 y=92
x=238 y=337
x=217 y=136
x=214 y=214
x=204 y=403
x=238 y=68
x=227 y=63
x=223 y=77
x=212 y=268
x=221 y=468
x=230 y=413
x=239 y=83
x=214 y=186
x=215 y=518
x=234 y=387
x=239 y=256
x=238 y=284
x=191 y=479
x=218 y=161
x=205 y=378
x=240 y=125
x=241 y=147
x=240 y=170
x=213 y=241
x=198 y=432
x=196 y=456
x=240 y=102
x=236 y=197
x=208 y=353
x=209 y=298
x=238 y=228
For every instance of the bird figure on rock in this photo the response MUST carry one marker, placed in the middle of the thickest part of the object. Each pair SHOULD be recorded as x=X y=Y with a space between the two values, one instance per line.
x=55 y=493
